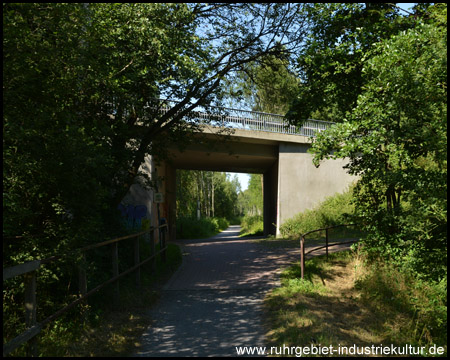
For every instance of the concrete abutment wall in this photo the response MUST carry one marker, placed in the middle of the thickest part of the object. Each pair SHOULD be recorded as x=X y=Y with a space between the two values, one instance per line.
x=301 y=185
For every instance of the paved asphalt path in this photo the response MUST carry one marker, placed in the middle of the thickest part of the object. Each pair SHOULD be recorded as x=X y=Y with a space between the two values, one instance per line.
x=214 y=302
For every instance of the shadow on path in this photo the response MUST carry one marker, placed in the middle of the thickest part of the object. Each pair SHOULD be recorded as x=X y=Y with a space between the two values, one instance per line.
x=213 y=303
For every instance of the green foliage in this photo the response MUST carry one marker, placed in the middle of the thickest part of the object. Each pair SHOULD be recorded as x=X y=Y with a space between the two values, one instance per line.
x=268 y=86
x=66 y=158
x=47 y=150
x=425 y=302
x=214 y=193
x=193 y=228
x=334 y=210
x=251 y=201
x=225 y=197
x=252 y=225
x=396 y=141
x=330 y=64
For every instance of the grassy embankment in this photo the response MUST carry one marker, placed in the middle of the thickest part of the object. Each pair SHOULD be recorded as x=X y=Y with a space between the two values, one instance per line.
x=252 y=225
x=347 y=302
x=334 y=210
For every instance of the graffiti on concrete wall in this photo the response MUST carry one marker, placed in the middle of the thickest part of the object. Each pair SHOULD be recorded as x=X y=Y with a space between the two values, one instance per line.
x=133 y=214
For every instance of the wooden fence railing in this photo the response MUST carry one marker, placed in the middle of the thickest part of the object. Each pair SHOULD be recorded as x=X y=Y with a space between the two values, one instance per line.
x=29 y=271
x=326 y=246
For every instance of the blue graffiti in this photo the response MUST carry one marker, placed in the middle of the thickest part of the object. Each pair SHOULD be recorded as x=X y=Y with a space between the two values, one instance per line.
x=133 y=214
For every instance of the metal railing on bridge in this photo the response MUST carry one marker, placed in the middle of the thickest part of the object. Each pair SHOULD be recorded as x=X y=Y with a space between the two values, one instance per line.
x=219 y=116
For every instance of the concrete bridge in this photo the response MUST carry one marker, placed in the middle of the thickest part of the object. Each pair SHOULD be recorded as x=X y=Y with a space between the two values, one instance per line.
x=258 y=143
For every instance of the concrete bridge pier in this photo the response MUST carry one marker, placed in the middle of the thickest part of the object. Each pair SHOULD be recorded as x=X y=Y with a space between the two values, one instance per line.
x=166 y=174
x=270 y=193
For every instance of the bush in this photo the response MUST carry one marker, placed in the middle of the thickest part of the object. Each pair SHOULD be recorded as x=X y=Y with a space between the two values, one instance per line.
x=235 y=220
x=193 y=228
x=252 y=225
x=222 y=223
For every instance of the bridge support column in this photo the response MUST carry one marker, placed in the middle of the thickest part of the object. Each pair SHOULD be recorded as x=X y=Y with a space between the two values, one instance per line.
x=270 y=183
x=171 y=200
x=167 y=186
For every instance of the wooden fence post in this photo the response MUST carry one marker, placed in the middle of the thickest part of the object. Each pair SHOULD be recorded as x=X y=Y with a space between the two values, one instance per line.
x=82 y=281
x=302 y=260
x=137 y=261
x=163 y=232
x=115 y=270
x=326 y=241
x=30 y=309
x=152 y=247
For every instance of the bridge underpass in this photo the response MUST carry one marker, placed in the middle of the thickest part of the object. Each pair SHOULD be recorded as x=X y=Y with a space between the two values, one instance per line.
x=218 y=268
x=259 y=144
x=291 y=183
x=237 y=155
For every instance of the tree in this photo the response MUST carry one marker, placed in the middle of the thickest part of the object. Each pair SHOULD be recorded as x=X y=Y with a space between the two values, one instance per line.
x=214 y=191
x=396 y=142
x=55 y=160
x=231 y=36
x=78 y=84
x=251 y=200
x=268 y=86
x=330 y=64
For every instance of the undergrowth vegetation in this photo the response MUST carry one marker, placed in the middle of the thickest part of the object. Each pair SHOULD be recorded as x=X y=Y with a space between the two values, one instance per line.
x=357 y=297
x=193 y=228
x=348 y=301
x=98 y=327
x=422 y=304
x=252 y=225
x=334 y=210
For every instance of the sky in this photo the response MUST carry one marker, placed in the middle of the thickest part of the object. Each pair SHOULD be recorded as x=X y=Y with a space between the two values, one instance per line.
x=406 y=6
x=243 y=179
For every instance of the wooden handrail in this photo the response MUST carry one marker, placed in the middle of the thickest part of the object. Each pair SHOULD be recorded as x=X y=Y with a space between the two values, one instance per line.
x=302 y=244
x=29 y=270
x=100 y=244
x=326 y=228
x=329 y=245
x=21 y=269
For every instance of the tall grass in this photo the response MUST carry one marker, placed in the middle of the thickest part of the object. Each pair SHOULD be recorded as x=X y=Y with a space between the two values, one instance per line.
x=397 y=293
x=347 y=301
x=334 y=210
x=252 y=225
